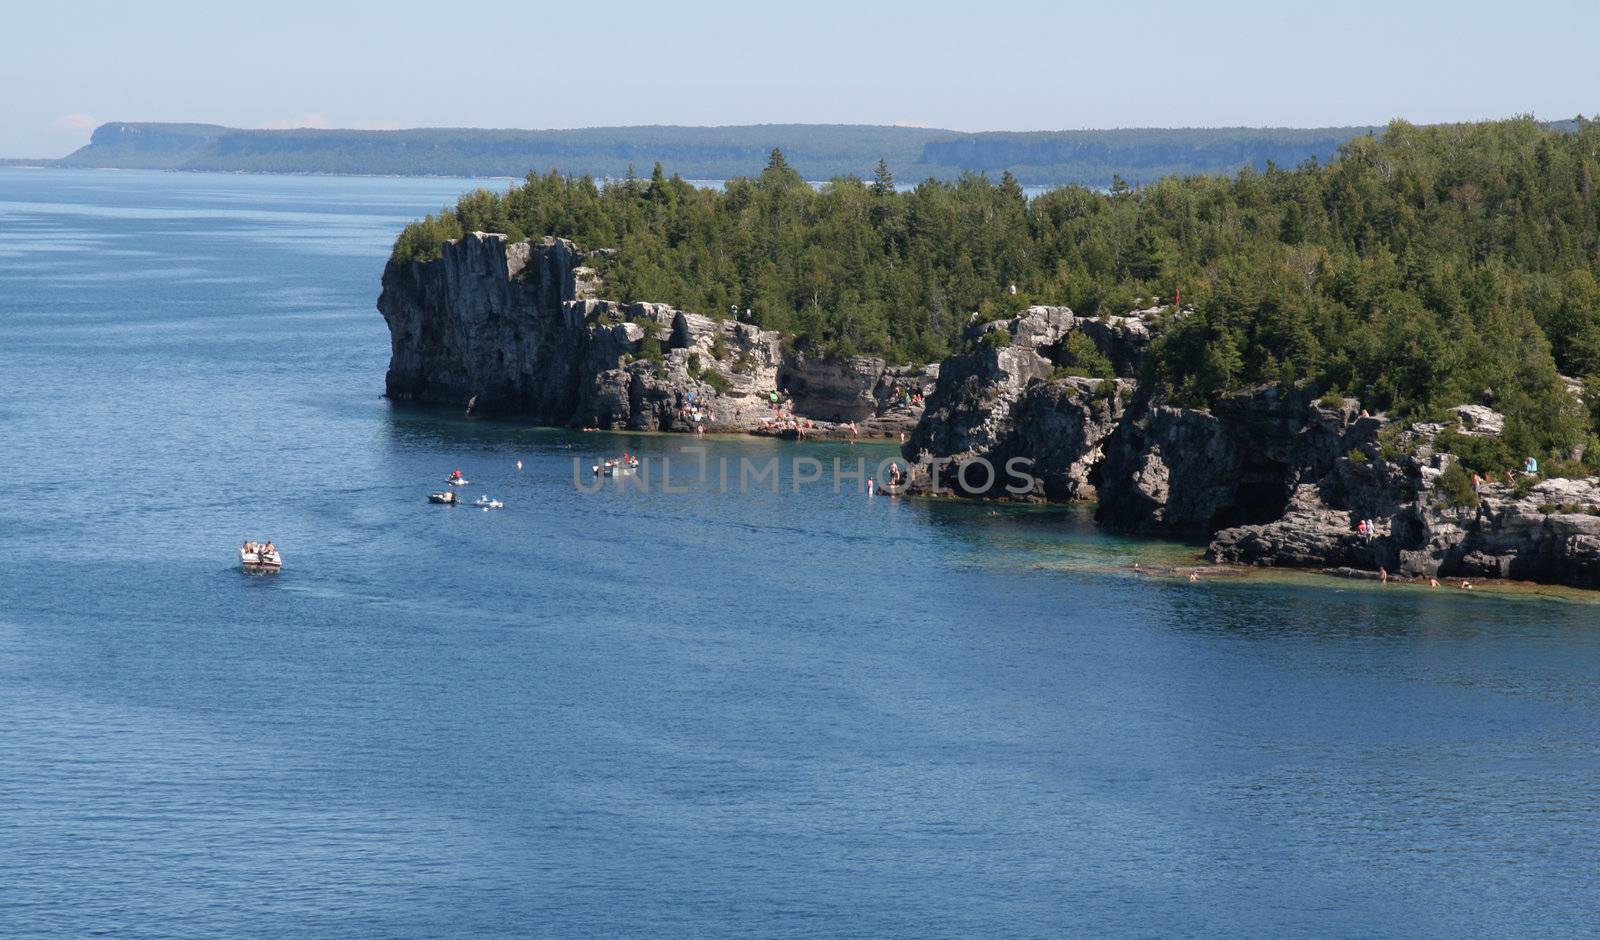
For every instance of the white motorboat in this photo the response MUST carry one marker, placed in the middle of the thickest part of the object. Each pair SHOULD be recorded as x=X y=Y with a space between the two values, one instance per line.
x=446 y=498
x=485 y=502
x=261 y=561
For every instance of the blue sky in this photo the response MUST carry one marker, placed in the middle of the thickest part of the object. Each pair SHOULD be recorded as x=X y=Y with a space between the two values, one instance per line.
x=1020 y=65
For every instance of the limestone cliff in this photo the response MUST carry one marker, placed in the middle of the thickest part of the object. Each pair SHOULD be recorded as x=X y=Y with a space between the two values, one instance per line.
x=515 y=328
x=1545 y=530
x=1189 y=471
x=1006 y=398
x=1273 y=475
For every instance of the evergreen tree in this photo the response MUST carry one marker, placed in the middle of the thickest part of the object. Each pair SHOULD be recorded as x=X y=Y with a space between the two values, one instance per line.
x=882 y=179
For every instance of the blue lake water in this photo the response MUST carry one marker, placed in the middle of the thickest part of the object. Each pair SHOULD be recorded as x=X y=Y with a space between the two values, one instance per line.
x=668 y=714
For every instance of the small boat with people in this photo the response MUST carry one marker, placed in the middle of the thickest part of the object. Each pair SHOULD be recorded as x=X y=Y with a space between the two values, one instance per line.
x=260 y=558
x=617 y=466
x=484 y=502
x=447 y=498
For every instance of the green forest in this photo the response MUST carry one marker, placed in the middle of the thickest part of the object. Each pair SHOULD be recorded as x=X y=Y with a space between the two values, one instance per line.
x=1421 y=268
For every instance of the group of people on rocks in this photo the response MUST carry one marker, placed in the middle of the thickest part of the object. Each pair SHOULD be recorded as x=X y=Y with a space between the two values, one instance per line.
x=691 y=413
x=1530 y=468
x=1433 y=582
x=1368 y=530
x=784 y=418
x=788 y=421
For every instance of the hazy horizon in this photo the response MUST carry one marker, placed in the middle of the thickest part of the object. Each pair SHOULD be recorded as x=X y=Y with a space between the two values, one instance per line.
x=1042 y=66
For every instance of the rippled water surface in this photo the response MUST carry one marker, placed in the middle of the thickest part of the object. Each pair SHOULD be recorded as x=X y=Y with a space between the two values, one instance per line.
x=643 y=713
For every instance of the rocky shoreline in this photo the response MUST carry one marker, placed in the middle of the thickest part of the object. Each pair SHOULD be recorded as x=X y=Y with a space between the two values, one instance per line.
x=1272 y=476
x=507 y=328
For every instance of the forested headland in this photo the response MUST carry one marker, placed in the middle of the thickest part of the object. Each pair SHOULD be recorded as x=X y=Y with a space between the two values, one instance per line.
x=1422 y=268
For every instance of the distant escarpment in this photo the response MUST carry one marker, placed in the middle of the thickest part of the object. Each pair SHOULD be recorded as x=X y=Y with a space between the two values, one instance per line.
x=820 y=151
x=514 y=328
x=1275 y=475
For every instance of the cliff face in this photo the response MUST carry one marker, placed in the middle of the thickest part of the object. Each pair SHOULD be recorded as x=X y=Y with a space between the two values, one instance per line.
x=1190 y=471
x=513 y=328
x=496 y=321
x=1539 y=531
x=862 y=389
x=1273 y=476
x=620 y=391
x=1003 y=401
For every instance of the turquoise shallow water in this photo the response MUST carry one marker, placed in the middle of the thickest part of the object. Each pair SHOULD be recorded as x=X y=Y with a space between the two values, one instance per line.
x=711 y=714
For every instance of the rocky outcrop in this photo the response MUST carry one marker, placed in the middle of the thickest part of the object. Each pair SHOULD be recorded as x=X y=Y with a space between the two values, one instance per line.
x=1006 y=404
x=1189 y=471
x=1059 y=428
x=484 y=318
x=709 y=372
x=1547 y=530
x=515 y=328
x=1124 y=340
x=1272 y=476
x=863 y=389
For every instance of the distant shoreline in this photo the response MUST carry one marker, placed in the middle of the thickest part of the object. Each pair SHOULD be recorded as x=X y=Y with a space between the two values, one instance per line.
x=14 y=164
x=51 y=165
x=817 y=151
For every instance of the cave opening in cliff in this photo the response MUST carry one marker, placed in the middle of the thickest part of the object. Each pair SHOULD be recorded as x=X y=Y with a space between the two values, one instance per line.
x=1094 y=479
x=1260 y=496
